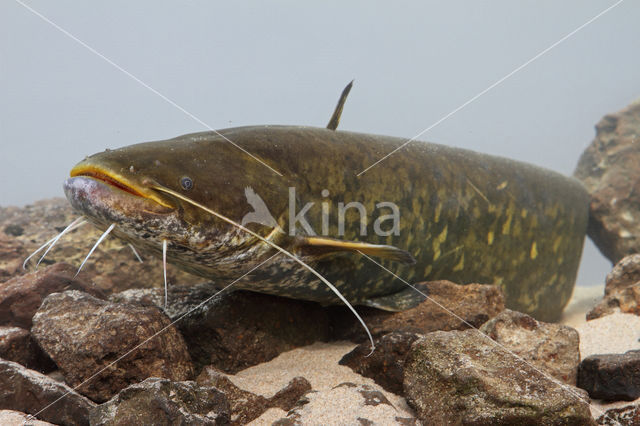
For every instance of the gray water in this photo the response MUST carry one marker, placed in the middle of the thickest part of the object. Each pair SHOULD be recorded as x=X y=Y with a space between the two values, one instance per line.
x=285 y=62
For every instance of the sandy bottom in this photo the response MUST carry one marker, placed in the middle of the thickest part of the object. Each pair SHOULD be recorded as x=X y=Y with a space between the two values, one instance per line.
x=582 y=300
x=318 y=363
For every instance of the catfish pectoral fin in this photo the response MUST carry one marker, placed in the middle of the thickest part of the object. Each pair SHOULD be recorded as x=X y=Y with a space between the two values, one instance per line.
x=321 y=246
x=400 y=301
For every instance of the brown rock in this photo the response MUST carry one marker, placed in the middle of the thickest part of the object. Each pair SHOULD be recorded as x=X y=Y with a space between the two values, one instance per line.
x=449 y=307
x=242 y=329
x=112 y=267
x=463 y=377
x=287 y=397
x=622 y=289
x=163 y=402
x=33 y=393
x=17 y=345
x=11 y=256
x=553 y=348
x=610 y=169
x=627 y=415
x=386 y=364
x=85 y=335
x=624 y=274
x=246 y=406
x=612 y=377
x=626 y=300
x=237 y=330
x=21 y=296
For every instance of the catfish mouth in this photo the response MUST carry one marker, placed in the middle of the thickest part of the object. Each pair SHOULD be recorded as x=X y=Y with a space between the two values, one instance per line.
x=120 y=183
x=109 y=181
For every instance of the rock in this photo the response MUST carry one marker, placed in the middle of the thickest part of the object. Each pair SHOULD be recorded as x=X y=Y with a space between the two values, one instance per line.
x=246 y=406
x=610 y=169
x=622 y=289
x=622 y=301
x=472 y=304
x=17 y=345
x=627 y=415
x=85 y=335
x=16 y=418
x=463 y=377
x=30 y=392
x=611 y=377
x=11 y=256
x=349 y=404
x=112 y=267
x=240 y=329
x=163 y=402
x=624 y=274
x=553 y=348
x=386 y=364
x=20 y=297
x=287 y=397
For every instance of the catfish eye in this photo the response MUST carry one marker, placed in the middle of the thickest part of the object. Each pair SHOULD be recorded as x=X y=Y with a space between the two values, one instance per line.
x=186 y=183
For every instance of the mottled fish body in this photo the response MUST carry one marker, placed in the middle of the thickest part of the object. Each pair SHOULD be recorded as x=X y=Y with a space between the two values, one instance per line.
x=464 y=216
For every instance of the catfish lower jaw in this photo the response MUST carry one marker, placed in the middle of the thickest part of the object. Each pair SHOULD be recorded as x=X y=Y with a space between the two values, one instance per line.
x=97 y=199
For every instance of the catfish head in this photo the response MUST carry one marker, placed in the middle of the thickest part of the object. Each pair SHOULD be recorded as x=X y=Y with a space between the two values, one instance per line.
x=170 y=191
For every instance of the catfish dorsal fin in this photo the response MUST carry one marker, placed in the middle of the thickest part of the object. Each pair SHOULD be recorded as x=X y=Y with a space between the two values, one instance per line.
x=335 y=118
x=320 y=246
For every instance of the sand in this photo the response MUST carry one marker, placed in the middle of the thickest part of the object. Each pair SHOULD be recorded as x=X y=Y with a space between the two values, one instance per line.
x=317 y=363
x=582 y=300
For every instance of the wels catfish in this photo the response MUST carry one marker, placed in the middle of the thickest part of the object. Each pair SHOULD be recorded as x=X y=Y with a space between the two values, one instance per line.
x=429 y=212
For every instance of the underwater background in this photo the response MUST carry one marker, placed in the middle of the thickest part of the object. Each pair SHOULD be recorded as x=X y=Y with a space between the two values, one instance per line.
x=172 y=68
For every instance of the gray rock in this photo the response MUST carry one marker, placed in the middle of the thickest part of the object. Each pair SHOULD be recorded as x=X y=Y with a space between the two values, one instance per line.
x=463 y=377
x=610 y=169
x=554 y=348
x=240 y=329
x=33 y=393
x=386 y=364
x=20 y=297
x=85 y=335
x=17 y=345
x=471 y=304
x=163 y=402
x=612 y=377
x=112 y=267
x=622 y=289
